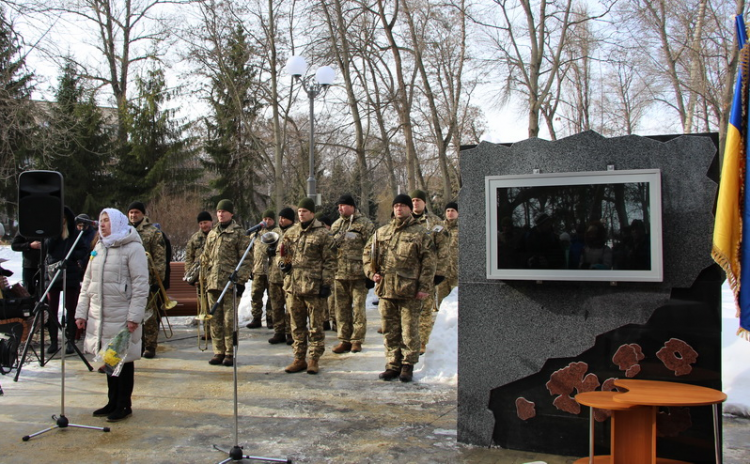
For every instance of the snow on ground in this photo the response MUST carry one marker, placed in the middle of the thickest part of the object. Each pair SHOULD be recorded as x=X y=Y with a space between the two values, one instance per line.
x=440 y=364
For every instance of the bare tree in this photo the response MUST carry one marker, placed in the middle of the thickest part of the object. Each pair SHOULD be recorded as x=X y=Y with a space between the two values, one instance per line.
x=124 y=33
x=342 y=27
x=530 y=45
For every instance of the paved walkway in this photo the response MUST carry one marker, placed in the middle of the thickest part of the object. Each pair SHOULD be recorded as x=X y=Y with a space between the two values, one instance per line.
x=183 y=406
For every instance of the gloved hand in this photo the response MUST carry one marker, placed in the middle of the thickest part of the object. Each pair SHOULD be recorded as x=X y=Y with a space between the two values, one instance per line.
x=154 y=289
x=240 y=289
x=437 y=279
x=271 y=251
x=285 y=267
x=325 y=291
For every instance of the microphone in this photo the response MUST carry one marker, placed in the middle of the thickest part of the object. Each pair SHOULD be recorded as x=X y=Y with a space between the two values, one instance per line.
x=255 y=228
x=84 y=220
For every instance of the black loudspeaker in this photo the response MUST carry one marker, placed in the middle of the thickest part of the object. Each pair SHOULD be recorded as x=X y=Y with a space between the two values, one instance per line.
x=40 y=204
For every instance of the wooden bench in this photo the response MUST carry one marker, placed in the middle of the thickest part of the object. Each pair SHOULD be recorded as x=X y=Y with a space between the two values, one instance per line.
x=183 y=293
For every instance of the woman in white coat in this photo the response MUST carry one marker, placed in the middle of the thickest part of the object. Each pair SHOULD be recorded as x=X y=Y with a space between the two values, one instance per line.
x=113 y=296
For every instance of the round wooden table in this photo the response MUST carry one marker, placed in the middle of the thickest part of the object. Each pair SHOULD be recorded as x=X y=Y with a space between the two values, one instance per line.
x=633 y=428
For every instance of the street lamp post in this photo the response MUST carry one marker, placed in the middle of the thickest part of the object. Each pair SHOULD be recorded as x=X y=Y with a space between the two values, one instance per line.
x=313 y=86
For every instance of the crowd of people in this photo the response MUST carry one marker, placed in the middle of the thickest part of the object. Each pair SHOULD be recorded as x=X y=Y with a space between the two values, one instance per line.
x=316 y=275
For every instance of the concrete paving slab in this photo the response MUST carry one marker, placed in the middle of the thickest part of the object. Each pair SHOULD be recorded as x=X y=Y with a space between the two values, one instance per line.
x=183 y=407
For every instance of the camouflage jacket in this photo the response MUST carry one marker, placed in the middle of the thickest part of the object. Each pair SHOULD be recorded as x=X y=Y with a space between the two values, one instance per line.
x=153 y=243
x=261 y=261
x=452 y=269
x=275 y=276
x=309 y=252
x=349 y=238
x=193 y=251
x=404 y=257
x=440 y=236
x=223 y=251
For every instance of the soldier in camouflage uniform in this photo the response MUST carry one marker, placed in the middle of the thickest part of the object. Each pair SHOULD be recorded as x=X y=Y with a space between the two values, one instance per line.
x=451 y=276
x=261 y=269
x=154 y=244
x=350 y=233
x=225 y=246
x=282 y=326
x=193 y=251
x=402 y=265
x=308 y=262
x=195 y=244
x=440 y=236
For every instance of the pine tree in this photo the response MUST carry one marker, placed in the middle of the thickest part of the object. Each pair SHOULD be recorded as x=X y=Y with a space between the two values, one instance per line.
x=232 y=147
x=154 y=161
x=79 y=143
x=17 y=125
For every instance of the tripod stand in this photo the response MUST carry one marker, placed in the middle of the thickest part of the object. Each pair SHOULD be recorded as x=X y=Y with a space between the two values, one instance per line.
x=40 y=308
x=62 y=422
x=236 y=454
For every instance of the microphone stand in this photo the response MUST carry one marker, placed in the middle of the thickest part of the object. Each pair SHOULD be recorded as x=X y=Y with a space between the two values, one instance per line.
x=62 y=422
x=236 y=454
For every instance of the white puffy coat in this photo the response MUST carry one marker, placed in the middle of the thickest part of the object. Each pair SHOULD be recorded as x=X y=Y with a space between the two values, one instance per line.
x=114 y=291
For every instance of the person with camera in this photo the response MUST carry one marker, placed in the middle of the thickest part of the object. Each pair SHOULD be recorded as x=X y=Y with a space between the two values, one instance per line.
x=308 y=262
x=113 y=297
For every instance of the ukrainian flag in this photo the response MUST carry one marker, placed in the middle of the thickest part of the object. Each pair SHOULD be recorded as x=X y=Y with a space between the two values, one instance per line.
x=731 y=246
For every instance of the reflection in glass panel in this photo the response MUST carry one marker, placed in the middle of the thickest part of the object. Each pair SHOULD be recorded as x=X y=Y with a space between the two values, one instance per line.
x=586 y=227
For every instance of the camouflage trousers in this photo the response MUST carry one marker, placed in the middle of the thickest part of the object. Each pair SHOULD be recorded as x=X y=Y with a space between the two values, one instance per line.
x=302 y=309
x=281 y=323
x=427 y=317
x=151 y=329
x=350 y=297
x=260 y=285
x=222 y=324
x=400 y=331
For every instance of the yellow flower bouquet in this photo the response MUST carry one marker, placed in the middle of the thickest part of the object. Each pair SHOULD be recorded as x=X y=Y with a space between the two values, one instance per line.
x=114 y=352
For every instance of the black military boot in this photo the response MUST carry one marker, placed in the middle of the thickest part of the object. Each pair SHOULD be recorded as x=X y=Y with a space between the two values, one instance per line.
x=255 y=323
x=388 y=374
x=407 y=373
x=277 y=338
